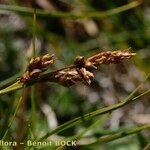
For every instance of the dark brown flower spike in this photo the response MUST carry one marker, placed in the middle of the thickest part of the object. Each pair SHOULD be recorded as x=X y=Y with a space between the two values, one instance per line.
x=36 y=66
x=40 y=63
x=108 y=58
x=69 y=77
x=81 y=70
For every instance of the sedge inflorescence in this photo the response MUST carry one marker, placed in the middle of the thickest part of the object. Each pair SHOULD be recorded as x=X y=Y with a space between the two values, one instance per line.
x=81 y=70
x=36 y=67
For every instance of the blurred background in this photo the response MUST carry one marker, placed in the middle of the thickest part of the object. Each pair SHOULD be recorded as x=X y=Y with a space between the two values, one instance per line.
x=68 y=38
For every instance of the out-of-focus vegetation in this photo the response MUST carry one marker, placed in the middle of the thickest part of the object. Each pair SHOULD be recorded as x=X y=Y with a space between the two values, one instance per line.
x=67 y=36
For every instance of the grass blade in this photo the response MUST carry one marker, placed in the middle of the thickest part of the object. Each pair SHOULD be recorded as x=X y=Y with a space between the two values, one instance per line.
x=70 y=15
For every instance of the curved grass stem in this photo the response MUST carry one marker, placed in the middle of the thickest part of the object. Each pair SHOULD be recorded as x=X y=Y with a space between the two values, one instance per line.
x=33 y=88
x=70 y=15
x=13 y=117
x=127 y=132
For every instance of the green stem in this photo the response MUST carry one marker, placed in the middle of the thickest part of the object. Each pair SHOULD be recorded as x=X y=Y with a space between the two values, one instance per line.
x=33 y=109
x=13 y=117
x=79 y=135
x=33 y=88
x=10 y=80
x=16 y=86
x=121 y=134
x=70 y=15
x=33 y=34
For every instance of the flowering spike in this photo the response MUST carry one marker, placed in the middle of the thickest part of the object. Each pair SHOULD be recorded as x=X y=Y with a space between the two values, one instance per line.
x=36 y=66
x=108 y=58
x=81 y=70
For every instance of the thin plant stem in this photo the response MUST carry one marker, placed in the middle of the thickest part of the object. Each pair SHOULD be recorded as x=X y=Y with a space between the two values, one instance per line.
x=13 y=117
x=33 y=34
x=13 y=87
x=108 y=138
x=33 y=88
x=70 y=15
x=10 y=80
x=33 y=109
x=118 y=135
x=79 y=135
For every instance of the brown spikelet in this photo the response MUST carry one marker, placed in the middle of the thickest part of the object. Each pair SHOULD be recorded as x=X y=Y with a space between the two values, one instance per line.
x=70 y=77
x=81 y=70
x=108 y=58
x=36 y=66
